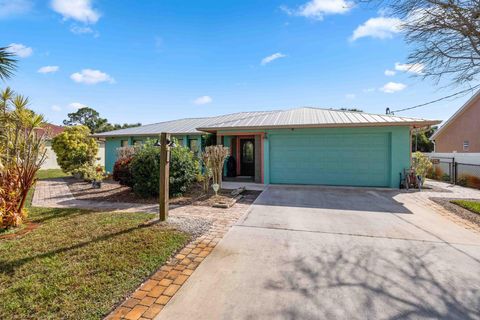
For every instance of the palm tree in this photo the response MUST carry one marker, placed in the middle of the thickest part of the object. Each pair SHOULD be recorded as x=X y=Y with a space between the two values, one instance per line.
x=8 y=63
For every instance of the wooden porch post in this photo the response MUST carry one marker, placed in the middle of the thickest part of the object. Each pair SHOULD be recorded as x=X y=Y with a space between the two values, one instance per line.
x=164 y=175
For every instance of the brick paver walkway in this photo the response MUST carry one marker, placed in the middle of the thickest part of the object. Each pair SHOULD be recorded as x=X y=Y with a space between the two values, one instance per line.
x=54 y=193
x=451 y=191
x=149 y=299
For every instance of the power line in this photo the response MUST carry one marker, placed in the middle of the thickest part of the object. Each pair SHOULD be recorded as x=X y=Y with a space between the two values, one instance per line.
x=433 y=101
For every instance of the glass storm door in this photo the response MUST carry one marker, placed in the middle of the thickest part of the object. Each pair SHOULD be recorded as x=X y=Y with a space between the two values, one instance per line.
x=247 y=157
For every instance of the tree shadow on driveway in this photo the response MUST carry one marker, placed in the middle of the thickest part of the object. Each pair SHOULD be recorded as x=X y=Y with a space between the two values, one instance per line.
x=363 y=283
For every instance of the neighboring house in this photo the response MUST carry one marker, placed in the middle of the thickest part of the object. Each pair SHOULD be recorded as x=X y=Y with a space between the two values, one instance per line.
x=51 y=161
x=460 y=133
x=297 y=146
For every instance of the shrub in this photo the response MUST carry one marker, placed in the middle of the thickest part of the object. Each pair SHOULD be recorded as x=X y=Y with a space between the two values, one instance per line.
x=435 y=173
x=445 y=177
x=462 y=181
x=122 y=171
x=90 y=172
x=470 y=181
x=184 y=168
x=126 y=152
x=10 y=199
x=81 y=171
x=421 y=164
x=145 y=168
x=74 y=147
x=22 y=153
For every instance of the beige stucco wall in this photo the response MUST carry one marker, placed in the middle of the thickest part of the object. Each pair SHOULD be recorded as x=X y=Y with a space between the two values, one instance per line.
x=465 y=126
x=51 y=161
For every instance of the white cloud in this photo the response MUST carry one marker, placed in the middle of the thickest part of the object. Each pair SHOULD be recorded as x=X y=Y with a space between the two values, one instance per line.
x=203 y=100
x=48 y=69
x=317 y=9
x=380 y=28
x=272 y=57
x=392 y=87
x=415 y=68
x=83 y=30
x=350 y=96
x=56 y=108
x=89 y=76
x=389 y=73
x=79 y=10
x=14 y=7
x=368 y=90
x=20 y=50
x=76 y=105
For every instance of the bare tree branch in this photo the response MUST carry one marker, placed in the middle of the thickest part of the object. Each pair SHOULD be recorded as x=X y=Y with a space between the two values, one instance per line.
x=444 y=34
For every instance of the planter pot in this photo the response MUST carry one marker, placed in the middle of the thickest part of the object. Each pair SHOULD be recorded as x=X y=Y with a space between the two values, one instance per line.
x=96 y=184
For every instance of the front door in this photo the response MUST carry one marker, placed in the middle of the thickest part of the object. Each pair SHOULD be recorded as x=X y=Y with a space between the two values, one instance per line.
x=247 y=157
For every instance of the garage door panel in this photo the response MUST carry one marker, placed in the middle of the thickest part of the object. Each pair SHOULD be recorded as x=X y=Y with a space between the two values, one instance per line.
x=331 y=159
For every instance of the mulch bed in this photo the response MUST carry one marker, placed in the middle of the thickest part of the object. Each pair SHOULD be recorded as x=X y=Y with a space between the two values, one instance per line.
x=25 y=229
x=112 y=191
x=457 y=210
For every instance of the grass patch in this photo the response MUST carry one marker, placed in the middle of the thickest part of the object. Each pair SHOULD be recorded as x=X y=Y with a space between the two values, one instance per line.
x=51 y=173
x=79 y=263
x=473 y=206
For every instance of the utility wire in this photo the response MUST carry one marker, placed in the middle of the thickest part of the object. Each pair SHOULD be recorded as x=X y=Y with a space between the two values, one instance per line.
x=433 y=101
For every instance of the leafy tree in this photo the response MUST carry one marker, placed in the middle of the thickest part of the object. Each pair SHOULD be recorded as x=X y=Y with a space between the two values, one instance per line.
x=91 y=118
x=87 y=117
x=421 y=140
x=74 y=147
x=111 y=127
x=8 y=63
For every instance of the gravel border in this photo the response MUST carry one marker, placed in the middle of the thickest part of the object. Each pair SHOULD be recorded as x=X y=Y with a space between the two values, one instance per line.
x=193 y=226
x=457 y=210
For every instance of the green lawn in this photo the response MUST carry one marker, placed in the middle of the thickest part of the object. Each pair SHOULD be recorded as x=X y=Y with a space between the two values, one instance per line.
x=51 y=173
x=473 y=206
x=77 y=264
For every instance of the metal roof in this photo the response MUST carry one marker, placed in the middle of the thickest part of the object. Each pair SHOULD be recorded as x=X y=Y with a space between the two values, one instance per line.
x=182 y=126
x=306 y=117
x=316 y=117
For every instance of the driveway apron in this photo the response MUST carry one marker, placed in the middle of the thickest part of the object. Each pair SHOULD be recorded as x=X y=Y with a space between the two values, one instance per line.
x=306 y=252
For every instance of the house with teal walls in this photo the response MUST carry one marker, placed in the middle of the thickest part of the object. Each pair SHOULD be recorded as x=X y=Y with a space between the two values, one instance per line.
x=311 y=146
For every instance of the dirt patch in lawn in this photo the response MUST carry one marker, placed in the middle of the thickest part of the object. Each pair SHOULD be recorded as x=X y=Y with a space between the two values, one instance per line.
x=18 y=232
x=457 y=210
x=112 y=191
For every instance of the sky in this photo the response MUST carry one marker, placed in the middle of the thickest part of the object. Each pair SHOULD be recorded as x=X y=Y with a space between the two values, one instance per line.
x=152 y=61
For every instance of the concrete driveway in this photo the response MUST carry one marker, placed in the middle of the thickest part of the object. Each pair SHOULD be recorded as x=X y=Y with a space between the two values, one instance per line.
x=336 y=253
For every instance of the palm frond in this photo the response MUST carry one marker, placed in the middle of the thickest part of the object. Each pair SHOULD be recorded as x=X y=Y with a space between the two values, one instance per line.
x=8 y=64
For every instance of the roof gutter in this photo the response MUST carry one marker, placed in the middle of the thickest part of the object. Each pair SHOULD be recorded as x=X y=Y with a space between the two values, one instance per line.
x=414 y=124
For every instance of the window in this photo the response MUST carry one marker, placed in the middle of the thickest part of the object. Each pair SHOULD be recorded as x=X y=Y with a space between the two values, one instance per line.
x=180 y=142
x=193 y=145
x=124 y=143
x=137 y=143
x=466 y=145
